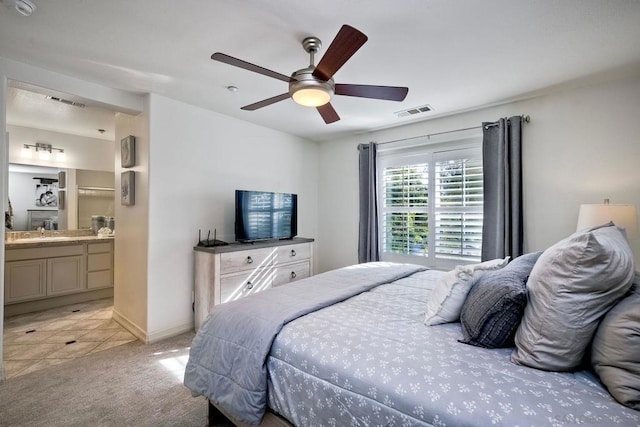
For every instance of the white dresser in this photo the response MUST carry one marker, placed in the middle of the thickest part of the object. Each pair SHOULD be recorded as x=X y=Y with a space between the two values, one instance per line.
x=226 y=273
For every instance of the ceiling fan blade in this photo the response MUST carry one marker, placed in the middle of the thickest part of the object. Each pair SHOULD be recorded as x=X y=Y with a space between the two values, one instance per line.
x=266 y=102
x=328 y=114
x=248 y=66
x=389 y=93
x=344 y=45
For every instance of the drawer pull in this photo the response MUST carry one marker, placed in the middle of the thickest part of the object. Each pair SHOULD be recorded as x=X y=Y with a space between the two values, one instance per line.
x=293 y=253
x=249 y=260
x=293 y=274
x=249 y=286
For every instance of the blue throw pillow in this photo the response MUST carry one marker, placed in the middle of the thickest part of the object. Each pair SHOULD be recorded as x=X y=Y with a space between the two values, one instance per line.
x=495 y=304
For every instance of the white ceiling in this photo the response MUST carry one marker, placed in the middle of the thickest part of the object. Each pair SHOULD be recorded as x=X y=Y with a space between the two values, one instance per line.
x=454 y=55
x=30 y=106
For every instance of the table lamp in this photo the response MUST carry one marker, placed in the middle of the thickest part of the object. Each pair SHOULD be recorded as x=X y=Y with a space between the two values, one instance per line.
x=624 y=216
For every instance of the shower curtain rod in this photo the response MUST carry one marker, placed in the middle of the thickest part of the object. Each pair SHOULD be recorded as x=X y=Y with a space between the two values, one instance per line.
x=525 y=119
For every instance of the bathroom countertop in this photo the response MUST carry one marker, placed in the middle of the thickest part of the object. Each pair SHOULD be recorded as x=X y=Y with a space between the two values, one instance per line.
x=38 y=242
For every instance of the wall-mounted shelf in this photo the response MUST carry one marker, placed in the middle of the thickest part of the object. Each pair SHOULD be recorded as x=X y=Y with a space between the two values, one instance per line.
x=96 y=191
x=94 y=201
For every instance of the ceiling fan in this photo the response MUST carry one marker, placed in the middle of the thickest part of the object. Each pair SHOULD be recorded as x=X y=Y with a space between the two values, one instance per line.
x=314 y=86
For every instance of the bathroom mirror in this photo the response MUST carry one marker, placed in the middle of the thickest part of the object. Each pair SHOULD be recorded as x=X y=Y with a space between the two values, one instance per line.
x=35 y=196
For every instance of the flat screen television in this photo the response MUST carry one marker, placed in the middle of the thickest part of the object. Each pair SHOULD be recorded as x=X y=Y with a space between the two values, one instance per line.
x=262 y=215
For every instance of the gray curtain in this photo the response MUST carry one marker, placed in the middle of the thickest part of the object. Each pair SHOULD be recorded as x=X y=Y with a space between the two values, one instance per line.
x=368 y=227
x=502 y=233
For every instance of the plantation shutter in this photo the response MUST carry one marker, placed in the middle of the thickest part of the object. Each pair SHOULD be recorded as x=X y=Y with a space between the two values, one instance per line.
x=405 y=198
x=430 y=203
x=458 y=205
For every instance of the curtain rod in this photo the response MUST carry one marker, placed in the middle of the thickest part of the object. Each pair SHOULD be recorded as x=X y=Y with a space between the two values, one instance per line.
x=525 y=119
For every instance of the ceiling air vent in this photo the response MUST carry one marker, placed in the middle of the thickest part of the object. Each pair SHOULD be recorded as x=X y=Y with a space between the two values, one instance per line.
x=415 y=110
x=67 y=101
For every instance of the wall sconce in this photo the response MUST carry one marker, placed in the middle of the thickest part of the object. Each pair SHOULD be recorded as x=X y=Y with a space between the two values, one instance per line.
x=44 y=152
x=624 y=216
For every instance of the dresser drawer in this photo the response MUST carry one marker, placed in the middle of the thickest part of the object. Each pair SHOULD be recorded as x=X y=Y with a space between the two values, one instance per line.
x=292 y=272
x=232 y=262
x=241 y=285
x=293 y=253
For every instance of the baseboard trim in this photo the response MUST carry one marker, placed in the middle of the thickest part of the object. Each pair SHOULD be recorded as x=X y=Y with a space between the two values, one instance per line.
x=153 y=337
x=130 y=326
x=168 y=333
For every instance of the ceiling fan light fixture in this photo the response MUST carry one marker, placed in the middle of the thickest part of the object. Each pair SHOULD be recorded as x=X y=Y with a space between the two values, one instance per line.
x=311 y=97
x=309 y=91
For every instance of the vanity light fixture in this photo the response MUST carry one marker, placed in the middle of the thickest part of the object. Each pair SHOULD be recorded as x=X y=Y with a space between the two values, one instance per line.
x=44 y=152
x=26 y=152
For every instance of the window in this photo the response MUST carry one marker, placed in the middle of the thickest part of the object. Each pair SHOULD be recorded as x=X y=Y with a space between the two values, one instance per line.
x=430 y=204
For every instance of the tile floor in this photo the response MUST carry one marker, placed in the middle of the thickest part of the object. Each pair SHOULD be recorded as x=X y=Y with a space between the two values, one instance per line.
x=38 y=340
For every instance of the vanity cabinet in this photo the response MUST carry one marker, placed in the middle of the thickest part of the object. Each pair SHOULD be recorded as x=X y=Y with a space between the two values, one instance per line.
x=229 y=272
x=36 y=273
x=25 y=280
x=64 y=275
x=99 y=265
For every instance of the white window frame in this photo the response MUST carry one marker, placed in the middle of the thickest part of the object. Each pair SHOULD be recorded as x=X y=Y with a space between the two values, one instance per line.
x=421 y=152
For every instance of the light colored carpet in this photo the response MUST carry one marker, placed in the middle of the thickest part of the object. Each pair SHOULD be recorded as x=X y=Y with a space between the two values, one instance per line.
x=130 y=385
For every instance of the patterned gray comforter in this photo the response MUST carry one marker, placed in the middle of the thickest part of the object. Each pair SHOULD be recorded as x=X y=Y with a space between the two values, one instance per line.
x=370 y=361
x=227 y=360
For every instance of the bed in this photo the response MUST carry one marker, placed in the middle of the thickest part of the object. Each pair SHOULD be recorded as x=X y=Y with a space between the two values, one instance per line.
x=350 y=347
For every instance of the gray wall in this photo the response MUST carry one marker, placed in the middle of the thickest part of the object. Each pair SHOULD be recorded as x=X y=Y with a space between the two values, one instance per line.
x=581 y=146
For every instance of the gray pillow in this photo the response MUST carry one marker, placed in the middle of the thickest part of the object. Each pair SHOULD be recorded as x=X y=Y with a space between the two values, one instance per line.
x=495 y=304
x=572 y=286
x=447 y=297
x=615 y=351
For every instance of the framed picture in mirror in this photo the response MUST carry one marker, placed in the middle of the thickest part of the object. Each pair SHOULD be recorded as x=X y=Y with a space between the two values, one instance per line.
x=62 y=179
x=61 y=200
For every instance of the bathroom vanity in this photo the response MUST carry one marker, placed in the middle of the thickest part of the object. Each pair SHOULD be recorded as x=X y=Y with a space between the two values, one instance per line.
x=46 y=272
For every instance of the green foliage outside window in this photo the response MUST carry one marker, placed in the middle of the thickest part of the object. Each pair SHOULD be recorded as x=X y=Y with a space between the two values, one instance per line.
x=458 y=187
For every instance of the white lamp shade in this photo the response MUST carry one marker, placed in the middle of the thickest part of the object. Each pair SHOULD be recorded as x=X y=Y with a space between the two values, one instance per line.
x=624 y=216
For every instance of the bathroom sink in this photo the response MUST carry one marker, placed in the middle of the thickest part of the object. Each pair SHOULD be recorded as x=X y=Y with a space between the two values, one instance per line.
x=42 y=239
